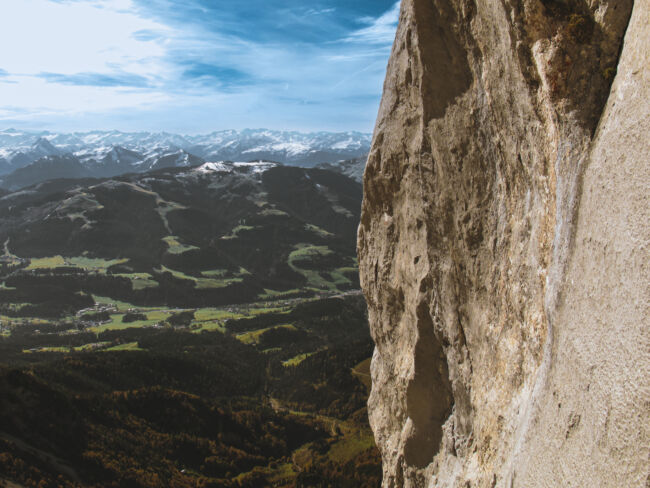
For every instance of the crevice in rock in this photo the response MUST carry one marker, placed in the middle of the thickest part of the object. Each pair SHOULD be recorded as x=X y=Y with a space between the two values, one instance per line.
x=429 y=397
x=445 y=70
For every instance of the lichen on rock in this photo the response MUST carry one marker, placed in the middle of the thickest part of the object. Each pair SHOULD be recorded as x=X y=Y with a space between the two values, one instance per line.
x=498 y=137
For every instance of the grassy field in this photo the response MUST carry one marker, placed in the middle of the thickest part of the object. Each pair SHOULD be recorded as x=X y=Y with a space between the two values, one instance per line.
x=46 y=263
x=305 y=252
x=175 y=247
x=362 y=372
x=93 y=264
x=205 y=319
x=274 y=294
x=234 y=233
x=215 y=318
x=212 y=319
x=202 y=283
x=139 y=281
x=154 y=317
x=92 y=347
x=81 y=262
x=8 y=323
x=318 y=231
x=295 y=361
x=261 y=310
x=130 y=346
x=48 y=349
x=253 y=337
x=215 y=273
x=273 y=212
x=351 y=445
x=121 y=306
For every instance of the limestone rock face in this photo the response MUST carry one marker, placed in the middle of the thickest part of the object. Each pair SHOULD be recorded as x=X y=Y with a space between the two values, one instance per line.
x=503 y=245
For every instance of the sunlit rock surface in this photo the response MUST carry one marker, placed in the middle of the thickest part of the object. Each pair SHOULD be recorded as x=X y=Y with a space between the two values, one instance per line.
x=504 y=245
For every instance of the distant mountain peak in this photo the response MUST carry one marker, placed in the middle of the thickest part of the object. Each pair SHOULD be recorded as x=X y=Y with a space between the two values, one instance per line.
x=45 y=147
x=120 y=156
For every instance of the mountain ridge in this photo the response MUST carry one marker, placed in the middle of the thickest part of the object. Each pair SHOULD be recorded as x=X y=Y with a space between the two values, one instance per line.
x=215 y=233
x=20 y=148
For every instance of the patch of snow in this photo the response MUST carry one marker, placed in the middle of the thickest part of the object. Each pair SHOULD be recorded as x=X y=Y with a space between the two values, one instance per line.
x=183 y=159
x=347 y=144
x=213 y=167
x=255 y=167
x=291 y=148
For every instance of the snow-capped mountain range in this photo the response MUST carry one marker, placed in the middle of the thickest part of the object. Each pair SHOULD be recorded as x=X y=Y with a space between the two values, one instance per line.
x=143 y=150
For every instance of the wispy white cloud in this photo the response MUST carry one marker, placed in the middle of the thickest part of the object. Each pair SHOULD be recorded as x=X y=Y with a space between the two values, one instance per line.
x=70 y=57
x=132 y=64
x=380 y=30
x=321 y=11
x=71 y=37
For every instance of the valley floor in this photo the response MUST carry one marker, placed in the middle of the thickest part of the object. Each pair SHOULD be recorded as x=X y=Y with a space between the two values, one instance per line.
x=266 y=394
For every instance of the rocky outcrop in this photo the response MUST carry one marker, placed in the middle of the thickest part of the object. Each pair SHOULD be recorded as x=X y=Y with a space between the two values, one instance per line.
x=504 y=245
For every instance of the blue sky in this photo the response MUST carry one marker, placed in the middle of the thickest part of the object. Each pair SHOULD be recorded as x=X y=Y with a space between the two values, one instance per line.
x=193 y=66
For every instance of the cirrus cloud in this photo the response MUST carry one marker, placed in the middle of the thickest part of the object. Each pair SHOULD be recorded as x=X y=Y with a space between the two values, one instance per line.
x=194 y=65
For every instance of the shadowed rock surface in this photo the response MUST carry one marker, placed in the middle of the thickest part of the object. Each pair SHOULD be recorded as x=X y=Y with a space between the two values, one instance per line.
x=503 y=245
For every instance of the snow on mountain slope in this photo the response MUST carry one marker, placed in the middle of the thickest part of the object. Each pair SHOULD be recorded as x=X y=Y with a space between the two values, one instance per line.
x=284 y=146
x=21 y=154
x=177 y=159
x=251 y=167
x=213 y=167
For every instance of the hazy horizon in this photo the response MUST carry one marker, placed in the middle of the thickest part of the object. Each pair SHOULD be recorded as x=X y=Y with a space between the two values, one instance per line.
x=37 y=131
